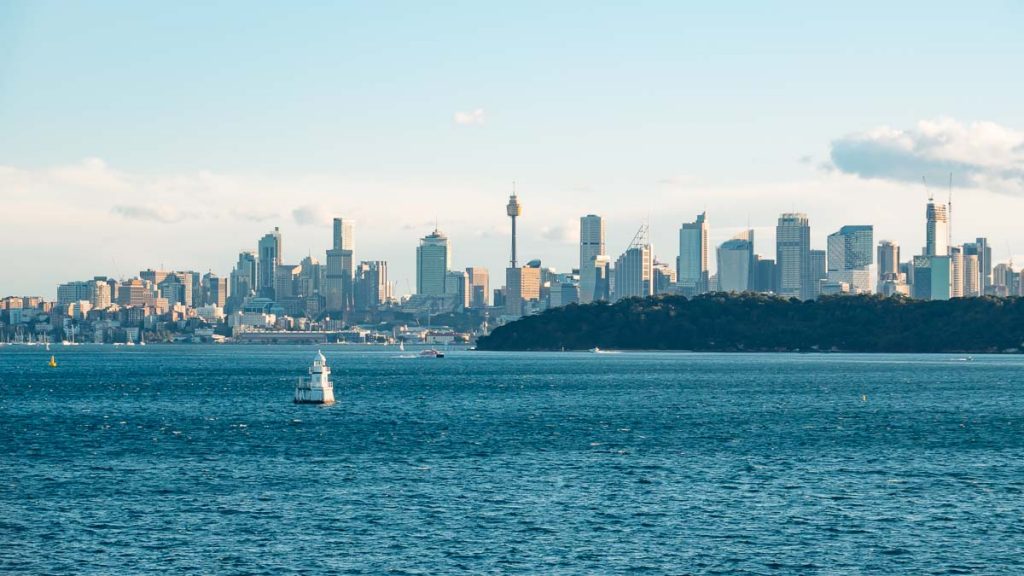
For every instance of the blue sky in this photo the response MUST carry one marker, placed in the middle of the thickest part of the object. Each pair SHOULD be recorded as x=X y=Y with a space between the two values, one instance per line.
x=193 y=127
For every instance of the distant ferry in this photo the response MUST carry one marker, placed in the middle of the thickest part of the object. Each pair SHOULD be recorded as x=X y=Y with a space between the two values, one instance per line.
x=318 y=389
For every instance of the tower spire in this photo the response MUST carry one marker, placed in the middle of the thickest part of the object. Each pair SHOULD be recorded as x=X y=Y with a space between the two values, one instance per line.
x=514 y=209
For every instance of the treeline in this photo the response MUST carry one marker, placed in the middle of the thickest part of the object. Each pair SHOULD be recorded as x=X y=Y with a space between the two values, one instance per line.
x=758 y=322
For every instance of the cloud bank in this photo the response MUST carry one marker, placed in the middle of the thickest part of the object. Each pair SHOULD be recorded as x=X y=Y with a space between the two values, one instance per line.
x=980 y=155
x=469 y=118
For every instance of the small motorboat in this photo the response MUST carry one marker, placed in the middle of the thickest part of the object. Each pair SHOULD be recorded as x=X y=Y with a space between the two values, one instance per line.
x=431 y=353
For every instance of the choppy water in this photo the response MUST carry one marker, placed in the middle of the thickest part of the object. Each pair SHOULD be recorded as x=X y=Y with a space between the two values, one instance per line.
x=193 y=460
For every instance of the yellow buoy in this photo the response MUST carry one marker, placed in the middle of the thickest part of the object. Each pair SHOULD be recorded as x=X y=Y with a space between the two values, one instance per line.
x=53 y=362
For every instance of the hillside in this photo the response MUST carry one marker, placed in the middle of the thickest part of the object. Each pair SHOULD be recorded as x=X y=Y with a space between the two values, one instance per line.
x=757 y=322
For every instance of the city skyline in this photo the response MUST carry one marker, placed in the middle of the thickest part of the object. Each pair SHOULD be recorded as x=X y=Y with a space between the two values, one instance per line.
x=745 y=113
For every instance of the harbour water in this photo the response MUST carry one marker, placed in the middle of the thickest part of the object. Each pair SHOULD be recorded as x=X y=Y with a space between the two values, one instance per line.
x=182 y=459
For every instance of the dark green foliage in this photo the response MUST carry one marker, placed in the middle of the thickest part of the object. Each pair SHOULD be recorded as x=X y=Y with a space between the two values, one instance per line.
x=758 y=322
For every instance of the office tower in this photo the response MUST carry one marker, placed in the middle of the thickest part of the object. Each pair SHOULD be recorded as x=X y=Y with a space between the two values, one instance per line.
x=818 y=271
x=433 y=257
x=269 y=259
x=792 y=254
x=956 y=271
x=310 y=278
x=371 y=285
x=983 y=251
x=941 y=277
x=522 y=285
x=692 y=263
x=213 y=290
x=764 y=274
x=479 y=287
x=937 y=232
x=591 y=246
x=602 y=278
x=456 y=286
x=634 y=272
x=736 y=263
x=888 y=263
x=972 y=276
x=73 y=292
x=338 y=272
x=176 y=289
x=664 y=277
x=153 y=276
x=850 y=256
x=514 y=209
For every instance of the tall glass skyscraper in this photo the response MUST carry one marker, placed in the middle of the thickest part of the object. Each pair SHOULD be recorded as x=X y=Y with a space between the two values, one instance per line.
x=937 y=231
x=591 y=246
x=692 y=263
x=793 y=256
x=433 y=257
x=269 y=260
x=338 y=277
x=736 y=263
x=850 y=255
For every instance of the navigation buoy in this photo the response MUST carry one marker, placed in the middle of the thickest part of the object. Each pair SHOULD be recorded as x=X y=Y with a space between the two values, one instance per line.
x=53 y=362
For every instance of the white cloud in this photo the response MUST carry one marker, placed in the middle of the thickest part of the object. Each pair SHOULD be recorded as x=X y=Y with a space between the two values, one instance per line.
x=981 y=155
x=151 y=213
x=472 y=117
x=311 y=215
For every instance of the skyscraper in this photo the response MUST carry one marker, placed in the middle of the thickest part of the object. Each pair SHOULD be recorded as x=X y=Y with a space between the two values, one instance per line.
x=591 y=246
x=269 y=260
x=433 y=257
x=972 y=276
x=479 y=287
x=692 y=263
x=370 y=285
x=956 y=271
x=338 y=290
x=818 y=272
x=937 y=231
x=983 y=251
x=634 y=270
x=889 y=278
x=793 y=253
x=736 y=263
x=850 y=256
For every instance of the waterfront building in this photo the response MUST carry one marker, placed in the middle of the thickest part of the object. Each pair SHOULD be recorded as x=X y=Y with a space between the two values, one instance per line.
x=692 y=262
x=736 y=263
x=433 y=257
x=591 y=248
x=793 y=256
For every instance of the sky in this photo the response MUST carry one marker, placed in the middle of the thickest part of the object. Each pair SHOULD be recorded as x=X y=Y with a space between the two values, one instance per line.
x=174 y=135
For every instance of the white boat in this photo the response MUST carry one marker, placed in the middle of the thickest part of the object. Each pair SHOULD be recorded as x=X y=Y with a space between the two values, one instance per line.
x=431 y=353
x=401 y=345
x=318 y=388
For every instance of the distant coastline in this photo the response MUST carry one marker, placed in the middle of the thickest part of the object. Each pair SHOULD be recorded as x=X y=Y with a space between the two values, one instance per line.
x=723 y=322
